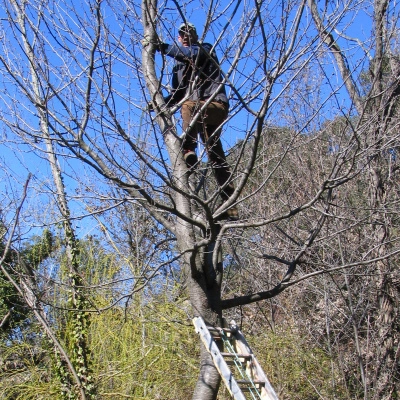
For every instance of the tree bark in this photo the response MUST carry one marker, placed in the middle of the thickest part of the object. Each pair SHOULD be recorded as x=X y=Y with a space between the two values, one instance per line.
x=204 y=289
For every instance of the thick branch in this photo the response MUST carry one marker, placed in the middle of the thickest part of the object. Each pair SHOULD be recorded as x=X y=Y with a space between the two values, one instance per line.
x=329 y=40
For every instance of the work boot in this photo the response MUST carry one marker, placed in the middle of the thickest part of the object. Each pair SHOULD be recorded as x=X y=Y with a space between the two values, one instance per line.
x=190 y=158
x=231 y=214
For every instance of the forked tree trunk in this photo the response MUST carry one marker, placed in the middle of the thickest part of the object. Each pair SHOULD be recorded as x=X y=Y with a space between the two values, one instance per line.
x=204 y=289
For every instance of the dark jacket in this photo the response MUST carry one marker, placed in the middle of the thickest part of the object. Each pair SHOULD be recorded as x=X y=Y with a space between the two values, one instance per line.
x=196 y=73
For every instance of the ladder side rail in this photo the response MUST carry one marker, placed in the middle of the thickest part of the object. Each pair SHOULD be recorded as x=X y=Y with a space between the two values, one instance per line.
x=219 y=361
x=256 y=371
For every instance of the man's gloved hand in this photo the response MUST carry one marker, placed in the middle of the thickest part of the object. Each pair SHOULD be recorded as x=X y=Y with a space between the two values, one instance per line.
x=161 y=47
x=150 y=107
x=169 y=102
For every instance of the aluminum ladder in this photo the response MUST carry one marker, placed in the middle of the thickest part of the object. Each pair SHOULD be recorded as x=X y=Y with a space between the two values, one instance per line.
x=237 y=365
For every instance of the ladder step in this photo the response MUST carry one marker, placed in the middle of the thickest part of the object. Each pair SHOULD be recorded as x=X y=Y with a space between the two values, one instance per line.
x=247 y=384
x=216 y=332
x=231 y=357
x=217 y=338
x=248 y=389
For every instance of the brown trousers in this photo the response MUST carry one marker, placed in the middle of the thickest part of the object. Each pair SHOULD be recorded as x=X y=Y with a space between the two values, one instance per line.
x=208 y=125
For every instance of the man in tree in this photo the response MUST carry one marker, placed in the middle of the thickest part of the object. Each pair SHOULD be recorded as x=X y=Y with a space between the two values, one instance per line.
x=197 y=80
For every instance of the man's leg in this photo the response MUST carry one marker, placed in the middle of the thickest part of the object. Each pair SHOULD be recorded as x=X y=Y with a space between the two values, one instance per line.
x=189 y=143
x=217 y=159
x=215 y=115
x=221 y=170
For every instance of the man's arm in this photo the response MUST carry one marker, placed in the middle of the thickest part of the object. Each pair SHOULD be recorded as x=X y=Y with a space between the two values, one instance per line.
x=181 y=53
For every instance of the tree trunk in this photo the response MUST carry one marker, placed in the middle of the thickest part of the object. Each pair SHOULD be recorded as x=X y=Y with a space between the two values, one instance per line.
x=387 y=326
x=77 y=381
x=203 y=286
x=205 y=302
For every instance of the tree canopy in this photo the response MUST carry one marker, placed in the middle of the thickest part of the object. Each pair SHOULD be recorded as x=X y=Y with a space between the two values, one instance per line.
x=131 y=239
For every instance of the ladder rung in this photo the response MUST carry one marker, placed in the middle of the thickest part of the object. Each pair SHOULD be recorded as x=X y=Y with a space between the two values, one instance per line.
x=217 y=331
x=241 y=357
x=248 y=389
x=257 y=384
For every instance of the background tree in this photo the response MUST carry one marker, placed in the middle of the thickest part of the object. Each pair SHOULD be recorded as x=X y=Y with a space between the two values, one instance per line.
x=376 y=130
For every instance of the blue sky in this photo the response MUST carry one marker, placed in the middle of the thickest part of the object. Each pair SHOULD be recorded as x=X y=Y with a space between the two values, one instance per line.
x=17 y=160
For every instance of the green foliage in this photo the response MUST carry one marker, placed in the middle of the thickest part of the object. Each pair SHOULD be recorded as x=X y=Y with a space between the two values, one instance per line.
x=147 y=351
x=96 y=263
x=39 y=249
x=296 y=368
x=12 y=307
x=26 y=366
